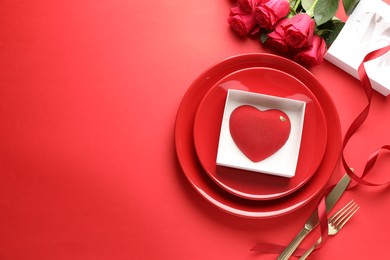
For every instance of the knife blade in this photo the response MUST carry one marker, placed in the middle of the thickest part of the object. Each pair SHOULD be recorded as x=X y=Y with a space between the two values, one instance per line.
x=313 y=220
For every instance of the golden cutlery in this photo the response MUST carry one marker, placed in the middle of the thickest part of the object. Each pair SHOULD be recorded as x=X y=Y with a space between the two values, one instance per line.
x=313 y=221
x=335 y=223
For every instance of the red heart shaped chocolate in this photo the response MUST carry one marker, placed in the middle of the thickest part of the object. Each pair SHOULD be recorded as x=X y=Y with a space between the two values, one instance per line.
x=259 y=134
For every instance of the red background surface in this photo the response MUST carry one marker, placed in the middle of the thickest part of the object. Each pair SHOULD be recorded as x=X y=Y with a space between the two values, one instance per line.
x=88 y=98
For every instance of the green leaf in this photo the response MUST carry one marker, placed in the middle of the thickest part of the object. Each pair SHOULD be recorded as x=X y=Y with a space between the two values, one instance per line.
x=309 y=5
x=330 y=30
x=349 y=6
x=324 y=10
x=295 y=6
x=263 y=36
x=293 y=3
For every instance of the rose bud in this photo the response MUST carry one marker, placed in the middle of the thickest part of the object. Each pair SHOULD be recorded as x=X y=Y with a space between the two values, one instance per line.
x=313 y=55
x=241 y=23
x=247 y=6
x=276 y=39
x=268 y=13
x=299 y=31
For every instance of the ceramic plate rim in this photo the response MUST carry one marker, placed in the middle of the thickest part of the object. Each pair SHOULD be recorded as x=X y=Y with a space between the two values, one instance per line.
x=212 y=192
x=248 y=195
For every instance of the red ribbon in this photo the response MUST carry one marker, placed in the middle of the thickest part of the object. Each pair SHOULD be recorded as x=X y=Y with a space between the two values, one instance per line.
x=359 y=120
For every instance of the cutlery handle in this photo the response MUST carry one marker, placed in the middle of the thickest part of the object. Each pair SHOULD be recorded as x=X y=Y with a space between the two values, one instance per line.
x=289 y=250
x=311 y=249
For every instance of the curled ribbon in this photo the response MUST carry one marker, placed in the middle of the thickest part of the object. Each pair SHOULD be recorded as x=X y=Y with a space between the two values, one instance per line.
x=359 y=120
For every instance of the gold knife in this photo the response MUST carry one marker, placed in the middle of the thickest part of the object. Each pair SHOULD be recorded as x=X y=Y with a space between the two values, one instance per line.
x=313 y=221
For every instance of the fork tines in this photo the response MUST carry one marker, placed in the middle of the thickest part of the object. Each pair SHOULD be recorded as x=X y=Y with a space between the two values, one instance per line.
x=339 y=219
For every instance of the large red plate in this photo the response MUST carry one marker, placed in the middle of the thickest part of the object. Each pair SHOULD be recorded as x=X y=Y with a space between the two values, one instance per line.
x=248 y=184
x=212 y=192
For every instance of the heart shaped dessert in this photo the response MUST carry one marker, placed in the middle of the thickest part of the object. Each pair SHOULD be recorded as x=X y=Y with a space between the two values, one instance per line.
x=259 y=134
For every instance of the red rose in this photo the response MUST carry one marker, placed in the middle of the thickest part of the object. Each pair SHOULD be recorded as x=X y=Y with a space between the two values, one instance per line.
x=299 y=31
x=268 y=13
x=241 y=22
x=313 y=55
x=276 y=39
x=247 y=6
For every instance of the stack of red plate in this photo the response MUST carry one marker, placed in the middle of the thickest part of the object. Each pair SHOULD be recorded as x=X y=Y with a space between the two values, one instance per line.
x=245 y=193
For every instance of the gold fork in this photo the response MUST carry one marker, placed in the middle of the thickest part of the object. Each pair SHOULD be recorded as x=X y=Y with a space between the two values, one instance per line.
x=335 y=223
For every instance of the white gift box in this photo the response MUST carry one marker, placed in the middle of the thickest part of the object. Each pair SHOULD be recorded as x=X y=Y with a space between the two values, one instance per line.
x=284 y=161
x=367 y=29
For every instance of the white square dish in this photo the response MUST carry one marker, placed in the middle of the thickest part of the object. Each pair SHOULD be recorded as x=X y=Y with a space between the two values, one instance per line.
x=284 y=161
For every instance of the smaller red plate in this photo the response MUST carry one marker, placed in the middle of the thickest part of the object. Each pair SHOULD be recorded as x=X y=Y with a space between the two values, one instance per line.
x=248 y=184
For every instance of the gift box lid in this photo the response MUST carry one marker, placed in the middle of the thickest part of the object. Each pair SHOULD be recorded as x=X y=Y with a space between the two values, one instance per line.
x=367 y=29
